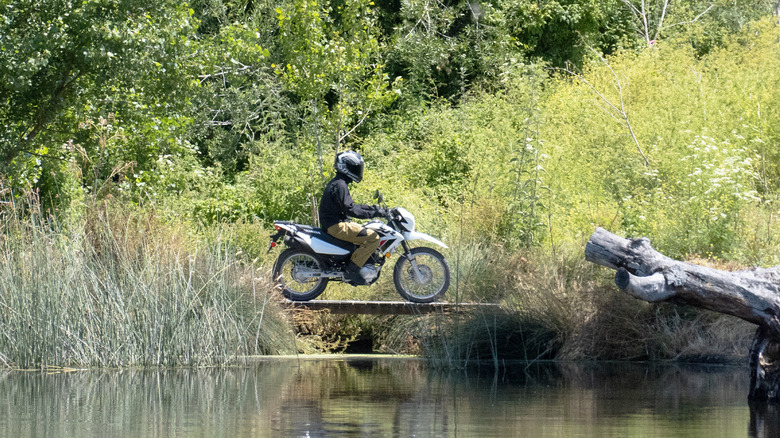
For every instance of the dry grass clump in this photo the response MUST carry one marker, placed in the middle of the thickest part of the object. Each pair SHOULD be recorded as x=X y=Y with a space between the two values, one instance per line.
x=593 y=320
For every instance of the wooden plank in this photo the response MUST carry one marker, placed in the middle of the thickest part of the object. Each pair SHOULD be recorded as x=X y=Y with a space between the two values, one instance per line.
x=388 y=307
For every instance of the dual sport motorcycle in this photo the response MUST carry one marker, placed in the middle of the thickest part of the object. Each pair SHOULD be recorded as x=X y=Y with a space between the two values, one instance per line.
x=313 y=258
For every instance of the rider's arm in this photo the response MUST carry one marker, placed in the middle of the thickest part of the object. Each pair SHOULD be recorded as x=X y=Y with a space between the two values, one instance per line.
x=359 y=211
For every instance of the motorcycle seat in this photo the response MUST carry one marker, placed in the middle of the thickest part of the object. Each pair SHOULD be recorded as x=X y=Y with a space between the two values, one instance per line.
x=323 y=235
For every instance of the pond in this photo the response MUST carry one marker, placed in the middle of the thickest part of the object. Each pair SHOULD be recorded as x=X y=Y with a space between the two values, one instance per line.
x=360 y=396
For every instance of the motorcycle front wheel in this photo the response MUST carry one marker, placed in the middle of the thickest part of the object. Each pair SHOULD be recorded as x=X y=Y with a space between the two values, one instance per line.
x=422 y=275
x=298 y=274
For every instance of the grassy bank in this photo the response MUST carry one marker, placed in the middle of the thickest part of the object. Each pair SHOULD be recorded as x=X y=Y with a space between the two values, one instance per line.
x=115 y=287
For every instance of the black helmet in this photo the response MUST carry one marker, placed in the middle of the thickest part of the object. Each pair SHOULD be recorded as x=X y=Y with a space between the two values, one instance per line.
x=349 y=164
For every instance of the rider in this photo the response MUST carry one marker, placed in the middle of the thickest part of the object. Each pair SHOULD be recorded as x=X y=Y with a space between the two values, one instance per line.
x=336 y=207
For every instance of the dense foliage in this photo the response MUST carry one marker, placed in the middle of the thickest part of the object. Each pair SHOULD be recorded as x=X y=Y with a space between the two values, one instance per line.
x=515 y=124
x=543 y=118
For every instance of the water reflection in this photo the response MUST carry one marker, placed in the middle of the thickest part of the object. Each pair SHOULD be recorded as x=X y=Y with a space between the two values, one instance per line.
x=353 y=397
x=764 y=420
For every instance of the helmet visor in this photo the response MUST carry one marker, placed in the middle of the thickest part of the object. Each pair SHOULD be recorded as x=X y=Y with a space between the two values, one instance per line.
x=356 y=171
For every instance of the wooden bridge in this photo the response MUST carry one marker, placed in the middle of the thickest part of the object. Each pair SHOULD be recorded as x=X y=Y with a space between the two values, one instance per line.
x=390 y=307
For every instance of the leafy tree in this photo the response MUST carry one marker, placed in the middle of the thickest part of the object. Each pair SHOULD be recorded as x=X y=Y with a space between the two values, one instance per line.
x=330 y=58
x=286 y=74
x=66 y=64
x=704 y=23
x=241 y=105
x=443 y=49
x=561 y=31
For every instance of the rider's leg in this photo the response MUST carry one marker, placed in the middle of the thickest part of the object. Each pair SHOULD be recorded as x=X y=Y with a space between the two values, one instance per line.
x=367 y=240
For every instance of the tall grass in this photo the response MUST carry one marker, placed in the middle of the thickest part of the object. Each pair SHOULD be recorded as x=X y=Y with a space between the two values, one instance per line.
x=113 y=287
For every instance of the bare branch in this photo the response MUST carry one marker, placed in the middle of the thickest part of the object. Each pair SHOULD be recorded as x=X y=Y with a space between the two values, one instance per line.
x=633 y=8
x=224 y=71
x=661 y=21
x=365 y=115
x=612 y=114
x=686 y=22
x=594 y=89
x=621 y=110
x=645 y=23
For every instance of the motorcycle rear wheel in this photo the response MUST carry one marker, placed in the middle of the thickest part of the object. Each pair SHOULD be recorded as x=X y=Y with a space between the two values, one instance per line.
x=428 y=282
x=297 y=272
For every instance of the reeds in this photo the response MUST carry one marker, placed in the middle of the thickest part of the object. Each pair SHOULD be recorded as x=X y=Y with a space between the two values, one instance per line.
x=113 y=287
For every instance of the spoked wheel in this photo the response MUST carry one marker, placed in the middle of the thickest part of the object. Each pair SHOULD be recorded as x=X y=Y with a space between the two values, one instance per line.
x=421 y=275
x=299 y=274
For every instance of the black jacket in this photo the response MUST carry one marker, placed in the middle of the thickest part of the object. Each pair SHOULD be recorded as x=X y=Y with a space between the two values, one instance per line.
x=336 y=204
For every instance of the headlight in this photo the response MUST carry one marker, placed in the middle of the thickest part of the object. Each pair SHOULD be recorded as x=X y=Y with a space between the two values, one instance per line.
x=407 y=220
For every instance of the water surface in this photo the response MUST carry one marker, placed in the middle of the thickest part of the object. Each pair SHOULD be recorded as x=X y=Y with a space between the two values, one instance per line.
x=360 y=397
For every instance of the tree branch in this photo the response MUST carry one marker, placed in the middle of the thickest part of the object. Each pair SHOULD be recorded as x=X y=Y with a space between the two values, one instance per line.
x=686 y=22
x=621 y=111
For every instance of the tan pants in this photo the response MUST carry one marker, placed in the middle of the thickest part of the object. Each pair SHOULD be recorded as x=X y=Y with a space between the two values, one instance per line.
x=367 y=240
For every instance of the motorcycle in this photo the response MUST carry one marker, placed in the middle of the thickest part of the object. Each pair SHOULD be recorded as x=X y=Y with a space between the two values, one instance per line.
x=313 y=258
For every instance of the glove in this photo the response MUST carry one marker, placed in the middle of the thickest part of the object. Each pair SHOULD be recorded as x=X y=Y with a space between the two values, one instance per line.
x=380 y=212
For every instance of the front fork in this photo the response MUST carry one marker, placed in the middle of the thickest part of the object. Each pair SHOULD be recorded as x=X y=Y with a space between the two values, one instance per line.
x=409 y=256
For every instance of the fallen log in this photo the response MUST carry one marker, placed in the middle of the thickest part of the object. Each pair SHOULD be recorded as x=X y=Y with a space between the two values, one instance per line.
x=751 y=294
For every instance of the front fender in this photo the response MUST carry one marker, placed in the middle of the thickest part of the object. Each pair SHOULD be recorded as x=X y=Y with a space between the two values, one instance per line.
x=414 y=235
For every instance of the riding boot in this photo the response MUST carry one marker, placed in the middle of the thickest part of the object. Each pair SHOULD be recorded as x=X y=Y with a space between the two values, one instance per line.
x=352 y=273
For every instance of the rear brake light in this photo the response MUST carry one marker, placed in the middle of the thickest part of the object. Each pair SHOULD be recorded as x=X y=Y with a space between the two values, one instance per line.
x=277 y=227
x=273 y=244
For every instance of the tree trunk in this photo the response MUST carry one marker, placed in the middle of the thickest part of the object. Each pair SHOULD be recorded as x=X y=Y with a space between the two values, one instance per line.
x=777 y=11
x=752 y=294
